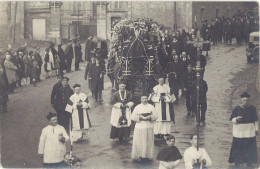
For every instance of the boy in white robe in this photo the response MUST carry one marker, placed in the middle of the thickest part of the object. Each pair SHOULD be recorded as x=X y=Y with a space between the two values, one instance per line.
x=163 y=108
x=78 y=106
x=195 y=159
x=52 y=145
x=143 y=139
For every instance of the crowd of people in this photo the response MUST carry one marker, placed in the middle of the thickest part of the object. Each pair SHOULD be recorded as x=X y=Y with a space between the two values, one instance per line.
x=153 y=114
x=224 y=29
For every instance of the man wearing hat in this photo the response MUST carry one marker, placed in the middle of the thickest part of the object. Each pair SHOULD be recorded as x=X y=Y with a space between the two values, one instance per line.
x=245 y=128
x=69 y=55
x=52 y=145
x=143 y=139
x=163 y=108
x=122 y=101
x=78 y=106
x=60 y=95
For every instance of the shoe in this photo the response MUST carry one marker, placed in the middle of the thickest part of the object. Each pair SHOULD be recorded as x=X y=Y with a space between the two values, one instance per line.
x=202 y=123
x=100 y=100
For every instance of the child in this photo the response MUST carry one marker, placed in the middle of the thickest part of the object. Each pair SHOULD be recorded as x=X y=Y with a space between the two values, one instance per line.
x=170 y=156
x=195 y=159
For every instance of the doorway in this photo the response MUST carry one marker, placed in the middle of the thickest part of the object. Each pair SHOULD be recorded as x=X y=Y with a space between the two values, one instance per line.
x=38 y=29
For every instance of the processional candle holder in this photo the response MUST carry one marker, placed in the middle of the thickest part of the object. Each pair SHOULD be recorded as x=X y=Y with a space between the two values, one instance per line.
x=198 y=70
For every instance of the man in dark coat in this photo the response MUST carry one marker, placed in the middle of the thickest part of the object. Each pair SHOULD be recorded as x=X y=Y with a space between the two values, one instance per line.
x=78 y=54
x=96 y=77
x=20 y=68
x=188 y=78
x=203 y=62
x=87 y=49
x=60 y=95
x=203 y=89
x=61 y=55
x=69 y=55
x=89 y=66
x=38 y=58
x=173 y=70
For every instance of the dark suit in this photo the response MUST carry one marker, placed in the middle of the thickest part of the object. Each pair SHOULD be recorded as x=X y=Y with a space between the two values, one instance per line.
x=203 y=89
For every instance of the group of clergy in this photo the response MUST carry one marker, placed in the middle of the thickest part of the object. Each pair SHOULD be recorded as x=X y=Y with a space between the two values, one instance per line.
x=149 y=119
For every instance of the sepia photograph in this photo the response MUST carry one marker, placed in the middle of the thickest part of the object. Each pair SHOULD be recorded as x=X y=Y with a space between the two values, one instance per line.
x=135 y=84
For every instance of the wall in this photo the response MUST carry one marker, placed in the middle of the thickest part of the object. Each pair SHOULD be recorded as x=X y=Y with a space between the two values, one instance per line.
x=29 y=16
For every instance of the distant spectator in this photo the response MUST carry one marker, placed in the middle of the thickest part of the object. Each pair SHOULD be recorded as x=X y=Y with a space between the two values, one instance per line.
x=20 y=68
x=47 y=65
x=10 y=69
x=28 y=67
x=62 y=60
x=38 y=58
x=3 y=90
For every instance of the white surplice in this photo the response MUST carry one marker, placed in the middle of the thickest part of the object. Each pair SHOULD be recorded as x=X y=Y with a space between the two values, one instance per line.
x=162 y=126
x=192 y=153
x=52 y=149
x=77 y=132
x=143 y=138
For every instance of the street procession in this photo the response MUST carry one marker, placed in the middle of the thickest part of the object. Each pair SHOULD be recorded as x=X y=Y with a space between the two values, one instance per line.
x=136 y=84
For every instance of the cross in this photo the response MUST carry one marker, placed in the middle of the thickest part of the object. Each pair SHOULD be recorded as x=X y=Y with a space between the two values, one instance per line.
x=123 y=121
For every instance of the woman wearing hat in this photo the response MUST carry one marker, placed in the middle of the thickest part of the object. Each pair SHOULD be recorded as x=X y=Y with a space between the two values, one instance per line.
x=245 y=128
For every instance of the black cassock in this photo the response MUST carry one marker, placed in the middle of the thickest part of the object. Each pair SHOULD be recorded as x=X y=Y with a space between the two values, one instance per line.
x=59 y=99
x=244 y=149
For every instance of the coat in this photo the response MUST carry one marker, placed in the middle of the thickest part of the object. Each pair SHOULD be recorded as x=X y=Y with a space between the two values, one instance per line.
x=87 y=50
x=78 y=53
x=10 y=72
x=69 y=52
x=20 y=68
x=61 y=54
x=3 y=85
x=28 y=65
x=96 y=74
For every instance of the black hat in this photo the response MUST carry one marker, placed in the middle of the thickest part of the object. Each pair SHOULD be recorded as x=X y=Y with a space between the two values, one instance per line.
x=51 y=115
x=76 y=85
x=245 y=94
x=65 y=78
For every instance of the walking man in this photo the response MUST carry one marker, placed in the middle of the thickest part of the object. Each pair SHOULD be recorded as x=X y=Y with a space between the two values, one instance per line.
x=245 y=128
x=203 y=89
x=121 y=113
x=60 y=95
x=143 y=139
x=52 y=145
x=163 y=108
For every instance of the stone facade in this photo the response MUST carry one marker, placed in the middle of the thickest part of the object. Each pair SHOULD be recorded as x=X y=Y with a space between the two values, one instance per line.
x=65 y=20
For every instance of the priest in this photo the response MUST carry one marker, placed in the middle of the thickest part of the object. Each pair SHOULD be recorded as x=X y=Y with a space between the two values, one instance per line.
x=78 y=105
x=121 y=113
x=163 y=108
x=245 y=128
x=143 y=140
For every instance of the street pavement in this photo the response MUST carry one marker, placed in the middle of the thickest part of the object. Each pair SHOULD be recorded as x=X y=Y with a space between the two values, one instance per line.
x=227 y=73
